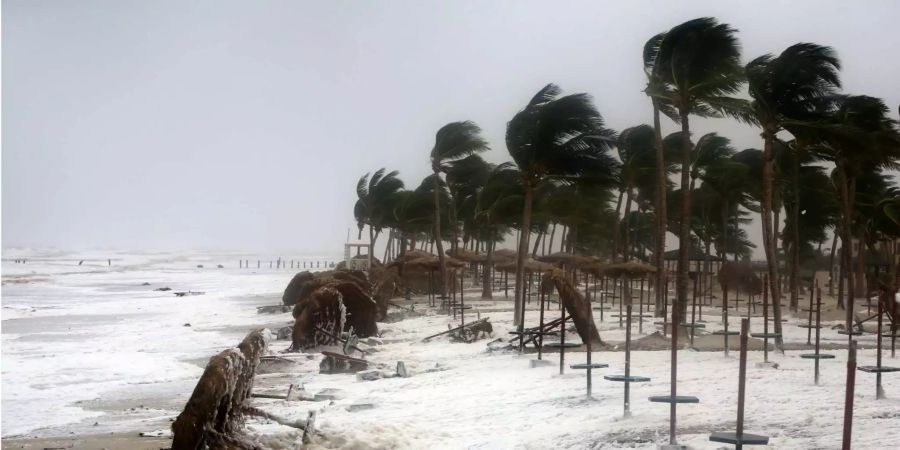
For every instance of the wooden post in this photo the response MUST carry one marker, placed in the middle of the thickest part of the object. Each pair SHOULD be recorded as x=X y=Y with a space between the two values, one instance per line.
x=848 y=395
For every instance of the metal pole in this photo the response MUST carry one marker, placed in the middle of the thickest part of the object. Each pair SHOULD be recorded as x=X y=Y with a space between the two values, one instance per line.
x=673 y=382
x=462 y=302
x=765 y=320
x=627 y=297
x=541 y=324
x=809 y=319
x=818 y=319
x=589 y=367
x=665 y=304
x=621 y=295
x=879 y=392
x=694 y=309
x=641 y=309
x=562 y=340
x=742 y=381
x=848 y=396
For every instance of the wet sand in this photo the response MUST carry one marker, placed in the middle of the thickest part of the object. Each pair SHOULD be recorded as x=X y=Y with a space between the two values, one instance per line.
x=112 y=441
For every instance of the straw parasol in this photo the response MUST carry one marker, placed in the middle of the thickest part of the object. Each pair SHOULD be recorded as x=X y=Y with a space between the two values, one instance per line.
x=740 y=276
x=629 y=269
x=504 y=254
x=566 y=259
x=530 y=265
x=432 y=262
x=467 y=255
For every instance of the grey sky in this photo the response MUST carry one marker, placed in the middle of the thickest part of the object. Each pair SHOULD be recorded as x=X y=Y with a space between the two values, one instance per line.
x=244 y=125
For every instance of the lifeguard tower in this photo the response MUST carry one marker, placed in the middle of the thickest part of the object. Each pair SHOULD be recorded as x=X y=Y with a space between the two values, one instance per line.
x=356 y=263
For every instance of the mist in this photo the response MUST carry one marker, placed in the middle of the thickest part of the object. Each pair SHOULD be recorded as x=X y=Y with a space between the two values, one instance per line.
x=245 y=125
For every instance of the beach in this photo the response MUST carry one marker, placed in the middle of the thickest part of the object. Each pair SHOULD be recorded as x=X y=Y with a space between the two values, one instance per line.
x=95 y=348
x=115 y=362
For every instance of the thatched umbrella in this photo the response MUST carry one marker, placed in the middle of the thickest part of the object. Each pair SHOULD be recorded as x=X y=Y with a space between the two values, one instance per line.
x=628 y=270
x=569 y=260
x=530 y=266
x=504 y=254
x=472 y=258
x=467 y=255
x=322 y=302
x=432 y=263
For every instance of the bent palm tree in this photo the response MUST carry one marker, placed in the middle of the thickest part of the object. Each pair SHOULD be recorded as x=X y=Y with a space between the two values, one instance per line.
x=374 y=206
x=453 y=141
x=788 y=87
x=698 y=67
x=555 y=137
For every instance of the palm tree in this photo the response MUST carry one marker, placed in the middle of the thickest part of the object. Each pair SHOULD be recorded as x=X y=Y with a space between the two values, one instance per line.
x=555 y=137
x=374 y=205
x=858 y=137
x=453 y=141
x=698 y=67
x=498 y=207
x=464 y=177
x=636 y=149
x=789 y=87
x=656 y=87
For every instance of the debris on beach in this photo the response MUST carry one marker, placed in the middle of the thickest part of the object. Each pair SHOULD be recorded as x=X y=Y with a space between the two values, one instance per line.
x=188 y=293
x=330 y=303
x=337 y=363
x=273 y=309
x=163 y=289
x=214 y=415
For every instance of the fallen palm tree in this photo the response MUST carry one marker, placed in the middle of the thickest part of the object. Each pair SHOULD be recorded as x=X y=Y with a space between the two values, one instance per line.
x=576 y=305
x=214 y=415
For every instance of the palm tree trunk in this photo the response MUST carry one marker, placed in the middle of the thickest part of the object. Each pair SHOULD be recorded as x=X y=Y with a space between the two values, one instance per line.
x=552 y=234
x=617 y=231
x=437 y=234
x=626 y=222
x=562 y=239
x=723 y=254
x=684 y=233
x=768 y=233
x=390 y=243
x=520 y=259
x=573 y=237
x=537 y=241
x=795 y=253
x=660 y=209
x=358 y=238
x=451 y=210
x=831 y=264
x=487 y=288
x=372 y=237
x=847 y=241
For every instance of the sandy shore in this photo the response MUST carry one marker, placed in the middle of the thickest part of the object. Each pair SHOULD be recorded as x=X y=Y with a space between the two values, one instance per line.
x=112 y=441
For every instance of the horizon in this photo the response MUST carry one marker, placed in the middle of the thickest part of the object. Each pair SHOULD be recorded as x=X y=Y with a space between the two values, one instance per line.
x=178 y=126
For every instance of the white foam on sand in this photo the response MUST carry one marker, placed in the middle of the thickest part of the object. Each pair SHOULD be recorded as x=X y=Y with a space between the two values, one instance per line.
x=73 y=334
